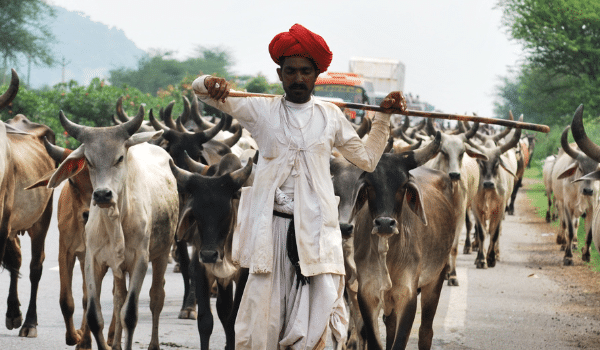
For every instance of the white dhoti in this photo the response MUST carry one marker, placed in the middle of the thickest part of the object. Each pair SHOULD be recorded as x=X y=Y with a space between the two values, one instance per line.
x=274 y=314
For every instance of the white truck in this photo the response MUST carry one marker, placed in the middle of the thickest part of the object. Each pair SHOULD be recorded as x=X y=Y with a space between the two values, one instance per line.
x=386 y=75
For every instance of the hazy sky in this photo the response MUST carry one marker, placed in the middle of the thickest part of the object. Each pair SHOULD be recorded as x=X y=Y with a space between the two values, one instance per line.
x=454 y=51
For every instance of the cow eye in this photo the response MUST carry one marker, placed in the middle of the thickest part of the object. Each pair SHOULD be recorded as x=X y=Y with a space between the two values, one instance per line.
x=119 y=160
x=89 y=164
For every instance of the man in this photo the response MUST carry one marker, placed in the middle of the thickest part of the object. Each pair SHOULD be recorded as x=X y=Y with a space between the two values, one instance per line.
x=288 y=234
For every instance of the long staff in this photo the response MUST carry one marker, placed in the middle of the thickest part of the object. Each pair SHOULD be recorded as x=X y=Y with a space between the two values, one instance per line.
x=413 y=113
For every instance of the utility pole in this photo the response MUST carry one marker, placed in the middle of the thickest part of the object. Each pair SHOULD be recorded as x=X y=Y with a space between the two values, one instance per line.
x=64 y=64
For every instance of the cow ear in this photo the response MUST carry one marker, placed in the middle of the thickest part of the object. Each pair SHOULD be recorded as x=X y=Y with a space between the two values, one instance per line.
x=570 y=171
x=361 y=197
x=593 y=176
x=474 y=153
x=42 y=182
x=143 y=137
x=186 y=223
x=503 y=165
x=414 y=199
x=71 y=166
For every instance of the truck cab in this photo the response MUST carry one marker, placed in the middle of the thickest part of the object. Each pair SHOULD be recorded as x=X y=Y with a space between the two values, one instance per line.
x=349 y=87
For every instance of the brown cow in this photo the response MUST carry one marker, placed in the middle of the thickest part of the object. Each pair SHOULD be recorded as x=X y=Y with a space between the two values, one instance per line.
x=23 y=160
x=402 y=242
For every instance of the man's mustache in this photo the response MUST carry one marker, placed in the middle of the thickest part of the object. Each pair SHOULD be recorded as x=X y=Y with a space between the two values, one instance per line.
x=297 y=86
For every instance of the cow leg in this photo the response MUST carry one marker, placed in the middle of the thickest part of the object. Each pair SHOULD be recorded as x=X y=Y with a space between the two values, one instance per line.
x=451 y=276
x=493 y=250
x=568 y=259
x=585 y=253
x=205 y=317
x=549 y=211
x=129 y=311
x=370 y=306
x=480 y=261
x=355 y=340
x=468 y=226
x=430 y=296
x=38 y=240
x=93 y=314
x=157 y=296
x=405 y=307
x=476 y=242
x=119 y=295
x=224 y=308
x=239 y=291
x=66 y=263
x=85 y=342
x=12 y=261
x=511 y=207
x=188 y=308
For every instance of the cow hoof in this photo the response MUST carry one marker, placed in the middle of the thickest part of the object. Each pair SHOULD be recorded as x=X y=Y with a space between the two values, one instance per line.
x=491 y=263
x=568 y=261
x=14 y=322
x=188 y=314
x=73 y=338
x=467 y=250
x=176 y=268
x=28 y=331
x=481 y=264
x=586 y=257
x=453 y=282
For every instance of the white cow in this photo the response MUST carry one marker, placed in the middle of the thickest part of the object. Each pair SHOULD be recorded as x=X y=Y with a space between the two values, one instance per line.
x=132 y=219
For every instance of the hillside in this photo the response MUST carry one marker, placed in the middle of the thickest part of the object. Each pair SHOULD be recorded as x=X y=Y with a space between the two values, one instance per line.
x=89 y=48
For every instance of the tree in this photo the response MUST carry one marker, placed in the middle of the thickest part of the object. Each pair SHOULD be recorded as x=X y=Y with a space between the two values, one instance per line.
x=24 y=33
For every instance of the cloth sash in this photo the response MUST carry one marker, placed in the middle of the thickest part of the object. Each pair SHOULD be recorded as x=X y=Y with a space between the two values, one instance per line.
x=292 y=248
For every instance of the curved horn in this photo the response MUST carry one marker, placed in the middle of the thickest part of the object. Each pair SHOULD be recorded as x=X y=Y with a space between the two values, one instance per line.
x=564 y=142
x=179 y=127
x=364 y=128
x=116 y=120
x=56 y=152
x=194 y=166
x=232 y=140
x=241 y=175
x=429 y=127
x=472 y=131
x=123 y=117
x=510 y=115
x=423 y=155
x=501 y=135
x=212 y=132
x=75 y=130
x=197 y=116
x=155 y=123
x=512 y=143
x=405 y=137
x=182 y=176
x=406 y=123
x=134 y=124
x=12 y=90
x=583 y=141
x=165 y=116
x=185 y=116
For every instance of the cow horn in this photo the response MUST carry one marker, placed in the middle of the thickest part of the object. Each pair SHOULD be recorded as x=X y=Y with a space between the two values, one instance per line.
x=165 y=116
x=405 y=137
x=512 y=143
x=364 y=128
x=179 y=127
x=12 y=90
x=197 y=117
x=583 y=141
x=472 y=131
x=155 y=123
x=194 y=166
x=123 y=117
x=423 y=155
x=241 y=175
x=71 y=128
x=501 y=135
x=56 y=152
x=232 y=140
x=564 y=142
x=430 y=128
x=134 y=124
x=406 y=123
x=185 y=116
x=510 y=115
x=182 y=176
x=116 y=120
x=212 y=132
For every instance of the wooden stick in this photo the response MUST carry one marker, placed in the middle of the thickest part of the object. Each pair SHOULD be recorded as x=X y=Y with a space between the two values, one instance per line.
x=413 y=113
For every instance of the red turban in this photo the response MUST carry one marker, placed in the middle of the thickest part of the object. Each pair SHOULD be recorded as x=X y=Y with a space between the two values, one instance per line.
x=299 y=41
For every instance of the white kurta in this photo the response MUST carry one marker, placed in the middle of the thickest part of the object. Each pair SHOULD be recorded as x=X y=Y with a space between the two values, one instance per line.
x=295 y=143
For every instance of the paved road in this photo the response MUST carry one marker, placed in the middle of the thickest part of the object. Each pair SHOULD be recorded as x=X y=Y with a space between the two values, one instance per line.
x=512 y=306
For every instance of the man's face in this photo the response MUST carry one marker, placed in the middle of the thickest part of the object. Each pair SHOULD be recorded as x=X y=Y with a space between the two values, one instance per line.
x=298 y=76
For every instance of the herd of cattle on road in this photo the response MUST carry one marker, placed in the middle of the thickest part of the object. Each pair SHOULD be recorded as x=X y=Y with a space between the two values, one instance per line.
x=143 y=191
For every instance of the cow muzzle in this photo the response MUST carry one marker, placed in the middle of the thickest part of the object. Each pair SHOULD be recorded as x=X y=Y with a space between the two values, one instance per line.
x=385 y=226
x=103 y=197
x=209 y=256
x=488 y=185
x=454 y=176
x=347 y=230
x=588 y=191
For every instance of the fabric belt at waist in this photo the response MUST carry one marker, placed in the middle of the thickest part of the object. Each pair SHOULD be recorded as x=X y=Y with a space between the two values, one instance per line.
x=292 y=248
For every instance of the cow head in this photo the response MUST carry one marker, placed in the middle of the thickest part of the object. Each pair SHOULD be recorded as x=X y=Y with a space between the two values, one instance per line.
x=489 y=168
x=390 y=185
x=180 y=140
x=104 y=151
x=209 y=208
x=345 y=177
x=586 y=161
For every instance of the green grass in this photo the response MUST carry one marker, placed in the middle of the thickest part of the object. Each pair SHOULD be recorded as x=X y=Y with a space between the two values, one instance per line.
x=536 y=194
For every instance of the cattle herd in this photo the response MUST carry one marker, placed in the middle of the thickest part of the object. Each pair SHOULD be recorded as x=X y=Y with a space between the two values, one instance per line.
x=141 y=192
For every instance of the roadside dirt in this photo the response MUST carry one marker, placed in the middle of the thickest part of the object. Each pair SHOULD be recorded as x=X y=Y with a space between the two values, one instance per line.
x=580 y=283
